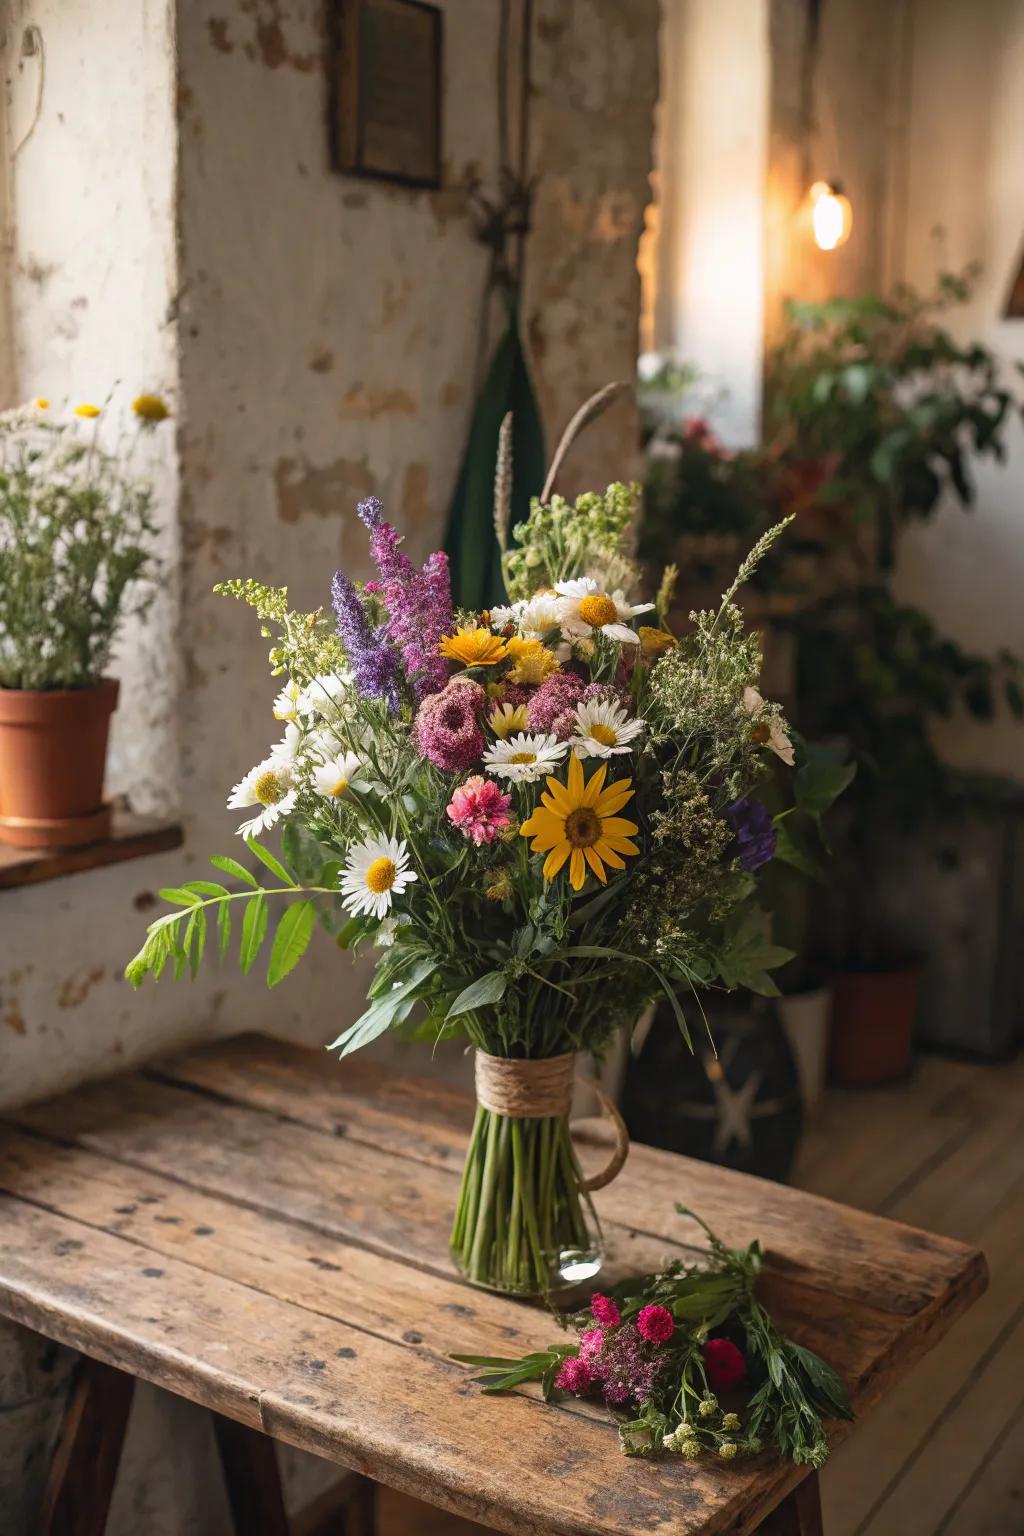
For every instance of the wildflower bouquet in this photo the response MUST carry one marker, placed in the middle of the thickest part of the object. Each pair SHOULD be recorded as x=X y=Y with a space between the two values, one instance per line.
x=542 y=817
x=663 y=1350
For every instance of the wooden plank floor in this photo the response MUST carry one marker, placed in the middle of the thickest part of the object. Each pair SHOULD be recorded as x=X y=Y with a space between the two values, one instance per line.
x=944 y=1455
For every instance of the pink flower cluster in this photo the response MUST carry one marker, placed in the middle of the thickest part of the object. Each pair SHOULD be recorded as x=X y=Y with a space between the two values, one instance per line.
x=553 y=706
x=621 y=1360
x=479 y=809
x=448 y=730
x=419 y=603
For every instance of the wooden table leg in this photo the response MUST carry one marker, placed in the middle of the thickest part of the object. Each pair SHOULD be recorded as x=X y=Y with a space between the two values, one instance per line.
x=799 y=1514
x=252 y=1479
x=81 y=1480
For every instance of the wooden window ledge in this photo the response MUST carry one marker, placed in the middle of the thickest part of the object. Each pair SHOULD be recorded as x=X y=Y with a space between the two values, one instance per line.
x=132 y=837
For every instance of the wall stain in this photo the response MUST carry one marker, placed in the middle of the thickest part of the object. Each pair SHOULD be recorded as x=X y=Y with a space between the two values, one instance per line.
x=219 y=35
x=452 y=393
x=75 y=990
x=326 y=490
x=322 y=360
x=14 y=1018
x=367 y=403
x=415 y=500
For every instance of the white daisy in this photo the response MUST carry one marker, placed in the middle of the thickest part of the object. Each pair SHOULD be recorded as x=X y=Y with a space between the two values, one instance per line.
x=768 y=731
x=269 y=785
x=603 y=728
x=506 y=718
x=333 y=777
x=540 y=616
x=286 y=705
x=286 y=751
x=523 y=758
x=506 y=613
x=376 y=872
x=327 y=694
x=584 y=608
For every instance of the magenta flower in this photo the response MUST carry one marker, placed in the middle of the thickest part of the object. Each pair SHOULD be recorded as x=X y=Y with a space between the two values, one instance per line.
x=419 y=603
x=552 y=699
x=479 y=809
x=591 y=1344
x=655 y=1324
x=447 y=729
x=574 y=1376
x=724 y=1364
x=604 y=1311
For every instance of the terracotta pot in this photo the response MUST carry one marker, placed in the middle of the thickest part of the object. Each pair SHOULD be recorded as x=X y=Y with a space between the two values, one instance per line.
x=53 y=751
x=873 y=1014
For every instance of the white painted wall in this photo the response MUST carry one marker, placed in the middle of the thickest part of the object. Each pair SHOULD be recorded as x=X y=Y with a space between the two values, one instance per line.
x=711 y=153
x=965 y=175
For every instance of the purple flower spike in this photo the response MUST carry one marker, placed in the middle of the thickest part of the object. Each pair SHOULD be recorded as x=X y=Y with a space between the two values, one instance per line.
x=370 y=511
x=755 y=835
x=373 y=659
x=419 y=603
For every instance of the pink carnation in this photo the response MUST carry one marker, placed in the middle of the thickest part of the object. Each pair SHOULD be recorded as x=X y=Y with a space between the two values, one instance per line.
x=656 y=1324
x=479 y=809
x=591 y=1344
x=574 y=1376
x=447 y=729
x=724 y=1364
x=604 y=1311
x=552 y=699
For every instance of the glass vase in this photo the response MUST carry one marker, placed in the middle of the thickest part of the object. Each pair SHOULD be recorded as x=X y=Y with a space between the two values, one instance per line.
x=524 y=1223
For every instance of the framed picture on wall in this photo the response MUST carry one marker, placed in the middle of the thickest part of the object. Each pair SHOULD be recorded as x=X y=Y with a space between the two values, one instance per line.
x=385 y=89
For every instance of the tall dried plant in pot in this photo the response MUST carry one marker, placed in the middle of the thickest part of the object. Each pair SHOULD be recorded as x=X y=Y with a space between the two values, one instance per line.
x=76 y=558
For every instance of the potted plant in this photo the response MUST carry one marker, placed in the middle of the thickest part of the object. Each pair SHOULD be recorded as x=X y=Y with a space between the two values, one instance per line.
x=879 y=390
x=76 y=531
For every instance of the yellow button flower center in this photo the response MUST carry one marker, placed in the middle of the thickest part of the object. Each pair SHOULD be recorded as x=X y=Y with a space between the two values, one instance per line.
x=269 y=788
x=598 y=609
x=380 y=876
x=583 y=827
x=523 y=757
x=339 y=788
x=605 y=734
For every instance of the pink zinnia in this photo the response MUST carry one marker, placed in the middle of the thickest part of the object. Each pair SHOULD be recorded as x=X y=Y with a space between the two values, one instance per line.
x=604 y=1311
x=574 y=1376
x=479 y=809
x=656 y=1324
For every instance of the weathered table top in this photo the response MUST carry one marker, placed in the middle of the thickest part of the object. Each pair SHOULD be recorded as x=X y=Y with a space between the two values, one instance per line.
x=266 y=1232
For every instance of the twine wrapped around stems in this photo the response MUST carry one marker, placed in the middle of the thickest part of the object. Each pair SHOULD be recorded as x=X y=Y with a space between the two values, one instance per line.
x=538 y=1090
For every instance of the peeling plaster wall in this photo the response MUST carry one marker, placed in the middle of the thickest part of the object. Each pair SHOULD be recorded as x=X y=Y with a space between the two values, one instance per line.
x=178 y=228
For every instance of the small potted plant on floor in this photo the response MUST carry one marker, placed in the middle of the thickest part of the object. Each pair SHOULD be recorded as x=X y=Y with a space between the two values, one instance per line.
x=76 y=549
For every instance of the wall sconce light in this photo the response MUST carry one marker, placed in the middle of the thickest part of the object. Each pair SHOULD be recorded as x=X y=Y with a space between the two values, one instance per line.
x=831 y=215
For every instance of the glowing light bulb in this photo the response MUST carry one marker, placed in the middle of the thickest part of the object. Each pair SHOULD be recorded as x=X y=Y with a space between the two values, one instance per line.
x=831 y=216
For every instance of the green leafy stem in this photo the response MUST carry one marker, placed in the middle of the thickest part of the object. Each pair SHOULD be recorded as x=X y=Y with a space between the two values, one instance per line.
x=179 y=938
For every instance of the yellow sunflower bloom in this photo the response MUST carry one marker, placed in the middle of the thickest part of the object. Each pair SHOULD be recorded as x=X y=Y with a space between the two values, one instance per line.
x=531 y=661
x=87 y=409
x=579 y=821
x=473 y=647
x=150 y=408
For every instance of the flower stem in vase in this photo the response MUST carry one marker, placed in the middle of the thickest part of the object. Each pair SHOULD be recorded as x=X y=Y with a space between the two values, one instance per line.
x=524 y=1223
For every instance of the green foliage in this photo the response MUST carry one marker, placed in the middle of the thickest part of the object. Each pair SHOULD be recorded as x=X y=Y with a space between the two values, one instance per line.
x=562 y=539
x=793 y=1389
x=76 y=542
x=879 y=390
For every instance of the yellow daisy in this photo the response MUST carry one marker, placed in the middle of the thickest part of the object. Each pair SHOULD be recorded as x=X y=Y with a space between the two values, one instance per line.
x=150 y=408
x=473 y=647
x=87 y=409
x=41 y=403
x=531 y=661
x=579 y=821
x=506 y=718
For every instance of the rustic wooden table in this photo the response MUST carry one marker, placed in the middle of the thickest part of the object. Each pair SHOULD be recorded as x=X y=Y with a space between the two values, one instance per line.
x=265 y=1232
